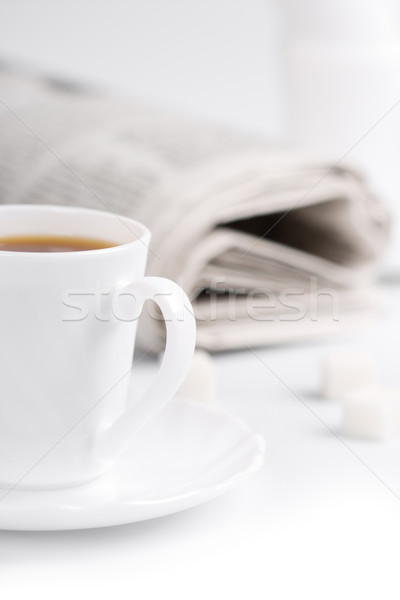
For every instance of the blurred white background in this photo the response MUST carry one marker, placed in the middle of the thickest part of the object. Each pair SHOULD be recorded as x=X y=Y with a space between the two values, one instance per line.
x=214 y=58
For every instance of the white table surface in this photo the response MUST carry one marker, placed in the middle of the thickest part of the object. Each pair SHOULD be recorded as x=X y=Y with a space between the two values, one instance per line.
x=320 y=520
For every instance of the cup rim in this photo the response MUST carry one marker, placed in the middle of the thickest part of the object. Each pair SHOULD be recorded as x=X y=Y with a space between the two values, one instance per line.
x=141 y=232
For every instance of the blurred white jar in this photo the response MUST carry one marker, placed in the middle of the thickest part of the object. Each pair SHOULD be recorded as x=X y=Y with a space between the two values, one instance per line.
x=343 y=88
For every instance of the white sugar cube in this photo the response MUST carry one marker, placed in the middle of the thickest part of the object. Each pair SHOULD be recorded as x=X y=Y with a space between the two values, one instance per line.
x=199 y=384
x=345 y=371
x=371 y=413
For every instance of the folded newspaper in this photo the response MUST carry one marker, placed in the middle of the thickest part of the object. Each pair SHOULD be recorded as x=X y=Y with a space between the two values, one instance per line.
x=270 y=245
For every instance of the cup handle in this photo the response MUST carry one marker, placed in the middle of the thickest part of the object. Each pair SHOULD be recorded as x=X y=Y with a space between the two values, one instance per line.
x=180 y=342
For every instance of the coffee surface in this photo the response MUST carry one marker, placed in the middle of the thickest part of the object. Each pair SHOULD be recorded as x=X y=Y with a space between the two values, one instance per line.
x=51 y=243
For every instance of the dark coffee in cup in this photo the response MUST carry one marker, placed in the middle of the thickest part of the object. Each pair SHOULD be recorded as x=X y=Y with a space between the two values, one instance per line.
x=51 y=243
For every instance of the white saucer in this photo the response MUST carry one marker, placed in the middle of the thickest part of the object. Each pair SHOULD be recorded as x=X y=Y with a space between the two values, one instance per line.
x=185 y=456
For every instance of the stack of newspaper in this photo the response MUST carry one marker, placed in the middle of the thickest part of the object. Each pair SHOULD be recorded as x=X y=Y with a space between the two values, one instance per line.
x=270 y=245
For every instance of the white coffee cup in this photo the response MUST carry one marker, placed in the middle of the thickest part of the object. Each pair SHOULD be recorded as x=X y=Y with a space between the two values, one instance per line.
x=65 y=415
